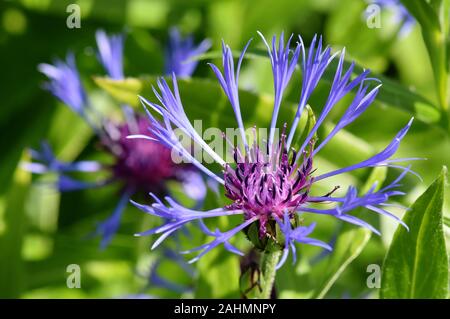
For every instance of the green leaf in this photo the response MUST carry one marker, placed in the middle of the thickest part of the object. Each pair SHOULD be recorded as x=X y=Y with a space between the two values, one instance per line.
x=350 y=243
x=309 y=125
x=416 y=265
x=68 y=144
x=434 y=35
x=12 y=235
x=446 y=221
x=125 y=91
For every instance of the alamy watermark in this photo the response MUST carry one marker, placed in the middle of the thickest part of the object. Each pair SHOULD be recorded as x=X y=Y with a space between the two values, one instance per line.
x=374 y=279
x=373 y=16
x=74 y=278
x=206 y=146
x=73 y=21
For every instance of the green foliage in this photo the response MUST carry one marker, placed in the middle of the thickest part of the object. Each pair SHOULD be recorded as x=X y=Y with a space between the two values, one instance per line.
x=11 y=237
x=435 y=30
x=416 y=265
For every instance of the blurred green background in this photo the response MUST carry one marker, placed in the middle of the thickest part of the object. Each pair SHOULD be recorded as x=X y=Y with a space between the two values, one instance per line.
x=42 y=232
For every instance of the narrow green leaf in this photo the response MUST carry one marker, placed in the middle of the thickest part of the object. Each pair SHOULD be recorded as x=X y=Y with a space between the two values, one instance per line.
x=416 y=265
x=434 y=36
x=125 y=91
x=447 y=221
x=11 y=238
x=309 y=125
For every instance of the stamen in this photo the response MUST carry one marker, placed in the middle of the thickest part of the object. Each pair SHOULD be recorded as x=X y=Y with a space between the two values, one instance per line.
x=288 y=198
x=294 y=156
x=299 y=178
x=331 y=192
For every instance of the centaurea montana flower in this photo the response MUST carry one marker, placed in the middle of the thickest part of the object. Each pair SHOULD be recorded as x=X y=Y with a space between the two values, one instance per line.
x=139 y=166
x=180 y=51
x=270 y=183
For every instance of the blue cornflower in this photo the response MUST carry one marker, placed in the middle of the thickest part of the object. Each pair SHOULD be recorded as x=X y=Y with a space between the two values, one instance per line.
x=110 y=53
x=139 y=166
x=401 y=15
x=46 y=162
x=65 y=83
x=269 y=183
x=179 y=52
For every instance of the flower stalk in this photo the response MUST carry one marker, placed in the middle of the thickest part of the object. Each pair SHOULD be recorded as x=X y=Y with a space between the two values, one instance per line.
x=269 y=261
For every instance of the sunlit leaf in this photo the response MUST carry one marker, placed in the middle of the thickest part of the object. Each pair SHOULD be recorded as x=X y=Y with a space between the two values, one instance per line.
x=12 y=236
x=435 y=37
x=416 y=265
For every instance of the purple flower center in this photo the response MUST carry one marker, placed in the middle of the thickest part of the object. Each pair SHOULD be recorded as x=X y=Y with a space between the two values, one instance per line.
x=268 y=186
x=144 y=165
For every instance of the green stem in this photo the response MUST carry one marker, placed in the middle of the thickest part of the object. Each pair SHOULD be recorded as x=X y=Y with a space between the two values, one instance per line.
x=269 y=261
